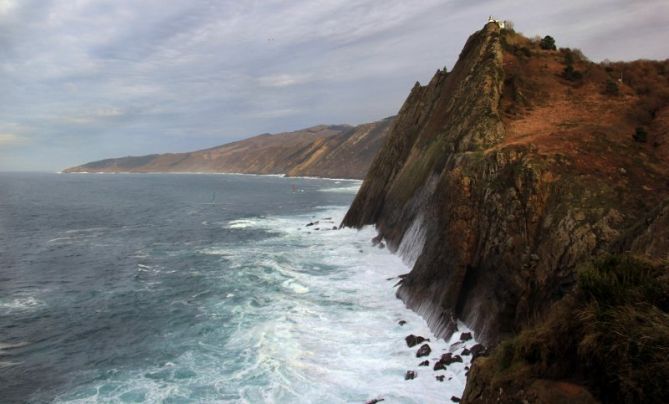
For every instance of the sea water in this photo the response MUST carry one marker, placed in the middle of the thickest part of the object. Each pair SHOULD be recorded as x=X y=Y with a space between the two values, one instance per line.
x=201 y=288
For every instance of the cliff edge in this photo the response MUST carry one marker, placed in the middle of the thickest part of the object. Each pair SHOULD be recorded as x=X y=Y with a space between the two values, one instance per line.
x=499 y=178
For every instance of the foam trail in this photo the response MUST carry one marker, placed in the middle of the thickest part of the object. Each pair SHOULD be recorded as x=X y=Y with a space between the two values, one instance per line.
x=306 y=316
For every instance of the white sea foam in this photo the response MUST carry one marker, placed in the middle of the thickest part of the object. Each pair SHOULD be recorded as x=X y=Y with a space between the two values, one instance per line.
x=314 y=318
x=351 y=189
x=26 y=303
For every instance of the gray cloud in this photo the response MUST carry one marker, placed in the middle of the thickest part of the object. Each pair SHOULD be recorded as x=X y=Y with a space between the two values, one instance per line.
x=87 y=79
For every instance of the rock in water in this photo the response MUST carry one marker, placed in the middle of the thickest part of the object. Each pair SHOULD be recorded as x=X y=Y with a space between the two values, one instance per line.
x=401 y=322
x=465 y=336
x=413 y=340
x=440 y=378
x=424 y=363
x=375 y=400
x=410 y=375
x=455 y=399
x=447 y=359
x=478 y=350
x=424 y=350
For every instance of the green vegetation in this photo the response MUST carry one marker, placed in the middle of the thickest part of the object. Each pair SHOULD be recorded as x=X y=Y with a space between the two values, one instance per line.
x=547 y=43
x=569 y=72
x=640 y=135
x=612 y=334
x=611 y=88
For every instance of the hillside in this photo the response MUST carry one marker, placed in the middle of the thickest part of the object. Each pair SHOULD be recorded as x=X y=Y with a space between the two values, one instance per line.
x=500 y=181
x=335 y=151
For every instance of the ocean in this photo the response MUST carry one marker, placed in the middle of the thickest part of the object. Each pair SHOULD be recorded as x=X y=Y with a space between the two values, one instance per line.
x=180 y=288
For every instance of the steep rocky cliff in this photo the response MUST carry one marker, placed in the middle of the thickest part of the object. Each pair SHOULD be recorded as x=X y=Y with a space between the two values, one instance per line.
x=334 y=151
x=499 y=178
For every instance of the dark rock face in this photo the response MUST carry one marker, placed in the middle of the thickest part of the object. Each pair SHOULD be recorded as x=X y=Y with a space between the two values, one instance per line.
x=466 y=336
x=494 y=219
x=410 y=375
x=413 y=340
x=424 y=350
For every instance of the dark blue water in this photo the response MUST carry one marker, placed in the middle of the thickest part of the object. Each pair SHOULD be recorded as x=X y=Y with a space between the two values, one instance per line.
x=190 y=288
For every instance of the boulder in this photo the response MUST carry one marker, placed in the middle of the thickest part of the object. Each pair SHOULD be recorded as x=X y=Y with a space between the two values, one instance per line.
x=424 y=350
x=478 y=350
x=466 y=336
x=424 y=363
x=413 y=340
x=410 y=375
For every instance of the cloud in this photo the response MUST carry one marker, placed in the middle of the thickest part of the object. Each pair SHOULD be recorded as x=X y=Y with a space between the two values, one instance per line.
x=100 y=78
x=11 y=139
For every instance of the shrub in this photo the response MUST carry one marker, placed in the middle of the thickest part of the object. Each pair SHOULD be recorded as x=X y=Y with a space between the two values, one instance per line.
x=640 y=135
x=611 y=88
x=612 y=331
x=571 y=74
x=547 y=43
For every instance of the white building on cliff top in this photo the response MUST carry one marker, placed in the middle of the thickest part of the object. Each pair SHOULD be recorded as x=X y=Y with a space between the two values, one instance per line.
x=498 y=22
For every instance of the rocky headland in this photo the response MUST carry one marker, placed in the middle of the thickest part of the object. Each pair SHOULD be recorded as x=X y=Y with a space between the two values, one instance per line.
x=528 y=188
x=331 y=151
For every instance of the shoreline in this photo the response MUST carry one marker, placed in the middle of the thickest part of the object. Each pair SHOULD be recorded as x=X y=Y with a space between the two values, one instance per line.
x=307 y=177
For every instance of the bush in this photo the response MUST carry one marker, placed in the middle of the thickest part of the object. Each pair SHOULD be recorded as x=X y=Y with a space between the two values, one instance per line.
x=571 y=74
x=640 y=135
x=547 y=43
x=612 y=331
x=611 y=88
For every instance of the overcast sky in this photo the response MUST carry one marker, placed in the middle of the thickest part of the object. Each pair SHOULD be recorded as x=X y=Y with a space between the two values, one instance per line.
x=82 y=80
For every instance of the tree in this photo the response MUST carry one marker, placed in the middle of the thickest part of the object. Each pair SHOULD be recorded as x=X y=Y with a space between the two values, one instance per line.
x=547 y=43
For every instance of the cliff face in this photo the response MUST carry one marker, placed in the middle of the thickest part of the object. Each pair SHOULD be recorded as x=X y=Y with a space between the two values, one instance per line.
x=335 y=151
x=499 y=177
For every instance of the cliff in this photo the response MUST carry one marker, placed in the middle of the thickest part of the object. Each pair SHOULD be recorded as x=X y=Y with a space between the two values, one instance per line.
x=498 y=179
x=334 y=151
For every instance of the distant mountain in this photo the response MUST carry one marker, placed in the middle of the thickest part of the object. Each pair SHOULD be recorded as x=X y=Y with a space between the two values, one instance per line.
x=333 y=151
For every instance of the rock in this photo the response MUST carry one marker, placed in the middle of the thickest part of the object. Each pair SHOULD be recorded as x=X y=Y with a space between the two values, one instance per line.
x=424 y=363
x=317 y=228
x=446 y=359
x=413 y=340
x=334 y=227
x=454 y=347
x=465 y=336
x=312 y=224
x=478 y=350
x=424 y=350
x=401 y=322
x=466 y=352
x=455 y=399
x=375 y=400
x=440 y=378
x=410 y=375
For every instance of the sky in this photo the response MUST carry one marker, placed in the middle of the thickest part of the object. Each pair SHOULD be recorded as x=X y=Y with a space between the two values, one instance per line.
x=82 y=80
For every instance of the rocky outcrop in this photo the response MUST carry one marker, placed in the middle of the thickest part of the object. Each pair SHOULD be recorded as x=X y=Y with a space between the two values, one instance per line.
x=492 y=198
x=334 y=151
x=498 y=178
